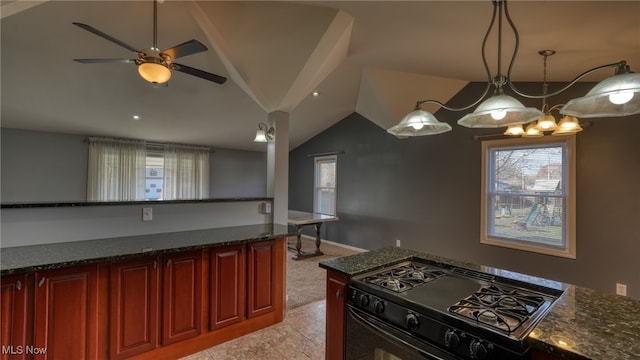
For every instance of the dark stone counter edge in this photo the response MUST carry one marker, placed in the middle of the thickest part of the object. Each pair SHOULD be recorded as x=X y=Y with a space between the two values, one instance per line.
x=89 y=261
x=112 y=203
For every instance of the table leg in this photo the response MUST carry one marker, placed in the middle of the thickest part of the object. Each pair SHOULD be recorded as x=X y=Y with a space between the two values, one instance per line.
x=318 y=241
x=299 y=241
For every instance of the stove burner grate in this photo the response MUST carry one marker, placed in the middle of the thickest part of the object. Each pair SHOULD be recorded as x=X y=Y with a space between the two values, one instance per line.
x=502 y=309
x=404 y=277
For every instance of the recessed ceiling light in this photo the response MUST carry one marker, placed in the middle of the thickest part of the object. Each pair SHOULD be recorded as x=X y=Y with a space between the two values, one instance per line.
x=315 y=93
x=136 y=117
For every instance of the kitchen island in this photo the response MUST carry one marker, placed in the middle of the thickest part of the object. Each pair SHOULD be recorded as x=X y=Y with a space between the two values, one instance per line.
x=581 y=323
x=149 y=296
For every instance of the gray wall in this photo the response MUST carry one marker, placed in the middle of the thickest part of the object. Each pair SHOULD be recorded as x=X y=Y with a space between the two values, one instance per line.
x=425 y=191
x=49 y=167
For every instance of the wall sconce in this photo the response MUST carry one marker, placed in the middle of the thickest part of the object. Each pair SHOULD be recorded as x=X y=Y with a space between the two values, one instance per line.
x=265 y=134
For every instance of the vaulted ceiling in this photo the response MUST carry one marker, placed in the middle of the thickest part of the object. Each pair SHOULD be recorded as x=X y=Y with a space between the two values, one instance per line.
x=374 y=57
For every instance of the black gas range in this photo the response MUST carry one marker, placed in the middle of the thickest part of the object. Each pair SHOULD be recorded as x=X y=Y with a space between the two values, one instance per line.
x=438 y=311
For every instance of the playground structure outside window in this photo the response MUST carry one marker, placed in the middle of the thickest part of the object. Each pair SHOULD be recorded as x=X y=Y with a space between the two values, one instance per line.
x=528 y=194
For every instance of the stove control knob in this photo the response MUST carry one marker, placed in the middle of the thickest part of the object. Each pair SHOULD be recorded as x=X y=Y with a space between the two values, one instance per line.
x=364 y=300
x=412 y=322
x=478 y=350
x=379 y=306
x=451 y=339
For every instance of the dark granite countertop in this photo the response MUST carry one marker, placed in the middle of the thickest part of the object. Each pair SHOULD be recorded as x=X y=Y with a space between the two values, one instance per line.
x=58 y=255
x=582 y=323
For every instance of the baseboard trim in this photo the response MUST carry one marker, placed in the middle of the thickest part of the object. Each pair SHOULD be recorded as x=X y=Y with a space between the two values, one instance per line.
x=334 y=244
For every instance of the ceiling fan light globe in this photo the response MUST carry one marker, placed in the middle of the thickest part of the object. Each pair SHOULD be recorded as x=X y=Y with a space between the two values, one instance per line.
x=154 y=73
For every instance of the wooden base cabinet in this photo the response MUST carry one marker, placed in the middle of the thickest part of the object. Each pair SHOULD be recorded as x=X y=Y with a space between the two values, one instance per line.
x=134 y=307
x=182 y=296
x=148 y=307
x=66 y=314
x=227 y=284
x=261 y=290
x=14 y=314
x=336 y=315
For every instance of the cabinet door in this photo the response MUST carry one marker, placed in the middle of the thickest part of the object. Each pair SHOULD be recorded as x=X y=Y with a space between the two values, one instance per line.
x=134 y=307
x=261 y=277
x=181 y=296
x=227 y=286
x=336 y=315
x=14 y=316
x=66 y=313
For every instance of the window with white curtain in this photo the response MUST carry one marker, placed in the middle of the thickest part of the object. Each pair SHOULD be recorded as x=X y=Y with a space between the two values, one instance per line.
x=116 y=169
x=134 y=170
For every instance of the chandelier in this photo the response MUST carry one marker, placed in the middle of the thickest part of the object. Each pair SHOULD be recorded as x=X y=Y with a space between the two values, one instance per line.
x=618 y=95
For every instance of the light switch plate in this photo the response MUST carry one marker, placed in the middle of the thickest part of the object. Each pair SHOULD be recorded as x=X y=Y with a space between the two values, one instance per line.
x=147 y=214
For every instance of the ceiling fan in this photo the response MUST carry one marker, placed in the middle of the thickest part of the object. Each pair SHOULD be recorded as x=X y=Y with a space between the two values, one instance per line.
x=155 y=65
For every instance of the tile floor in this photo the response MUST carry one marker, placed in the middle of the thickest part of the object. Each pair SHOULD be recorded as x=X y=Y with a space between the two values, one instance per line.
x=299 y=337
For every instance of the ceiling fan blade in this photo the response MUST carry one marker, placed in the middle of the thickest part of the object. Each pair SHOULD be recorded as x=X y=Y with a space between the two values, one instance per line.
x=186 y=48
x=199 y=73
x=95 y=61
x=106 y=36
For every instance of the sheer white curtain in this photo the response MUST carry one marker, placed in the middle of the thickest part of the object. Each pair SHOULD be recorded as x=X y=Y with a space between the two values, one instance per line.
x=186 y=172
x=116 y=169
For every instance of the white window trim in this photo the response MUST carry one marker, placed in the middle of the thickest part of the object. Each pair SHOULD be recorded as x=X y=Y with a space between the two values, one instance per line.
x=569 y=251
x=316 y=160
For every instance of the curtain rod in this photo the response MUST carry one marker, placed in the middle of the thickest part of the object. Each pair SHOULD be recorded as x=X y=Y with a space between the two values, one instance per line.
x=326 y=153
x=148 y=144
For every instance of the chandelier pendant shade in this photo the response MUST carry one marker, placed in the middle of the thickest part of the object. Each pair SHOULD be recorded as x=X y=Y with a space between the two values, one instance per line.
x=500 y=111
x=417 y=123
x=618 y=95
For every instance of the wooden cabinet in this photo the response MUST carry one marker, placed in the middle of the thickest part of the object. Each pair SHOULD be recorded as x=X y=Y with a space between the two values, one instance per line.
x=134 y=307
x=66 y=313
x=146 y=307
x=181 y=296
x=14 y=315
x=336 y=315
x=227 y=286
x=261 y=280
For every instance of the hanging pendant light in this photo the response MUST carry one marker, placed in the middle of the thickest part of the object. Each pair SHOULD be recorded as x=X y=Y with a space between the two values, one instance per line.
x=567 y=126
x=533 y=131
x=500 y=111
x=616 y=96
x=514 y=130
x=418 y=123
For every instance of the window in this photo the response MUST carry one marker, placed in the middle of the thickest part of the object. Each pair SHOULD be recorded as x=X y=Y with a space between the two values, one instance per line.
x=324 y=199
x=126 y=170
x=528 y=194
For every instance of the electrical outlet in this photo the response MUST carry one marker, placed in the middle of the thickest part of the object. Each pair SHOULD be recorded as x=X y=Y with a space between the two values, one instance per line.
x=266 y=208
x=147 y=214
x=398 y=242
x=621 y=289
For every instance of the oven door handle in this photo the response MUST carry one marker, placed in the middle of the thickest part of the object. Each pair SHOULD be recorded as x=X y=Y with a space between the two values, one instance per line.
x=361 y=318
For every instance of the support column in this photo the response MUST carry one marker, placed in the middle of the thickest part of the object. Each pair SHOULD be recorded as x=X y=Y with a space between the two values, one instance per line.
x=278 y=166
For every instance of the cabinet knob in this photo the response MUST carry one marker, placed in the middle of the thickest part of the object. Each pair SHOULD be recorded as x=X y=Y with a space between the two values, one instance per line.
x=338 y=294
x=41 y=282
x=168 y=262
x=155 y=264
x=19 y=285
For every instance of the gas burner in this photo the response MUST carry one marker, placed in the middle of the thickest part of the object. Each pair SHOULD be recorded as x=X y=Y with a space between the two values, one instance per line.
x=403 y=277
x=502 y=309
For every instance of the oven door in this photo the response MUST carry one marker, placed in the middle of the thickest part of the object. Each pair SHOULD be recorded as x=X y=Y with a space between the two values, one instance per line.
x=371 y=339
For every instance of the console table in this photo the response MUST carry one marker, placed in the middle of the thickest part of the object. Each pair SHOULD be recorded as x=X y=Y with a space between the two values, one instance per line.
x=300 y=219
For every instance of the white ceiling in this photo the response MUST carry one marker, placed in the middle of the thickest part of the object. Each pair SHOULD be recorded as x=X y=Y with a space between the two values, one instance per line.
x=374 y=57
